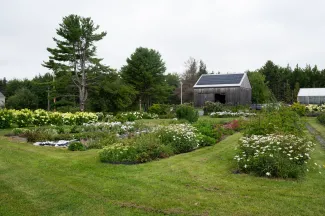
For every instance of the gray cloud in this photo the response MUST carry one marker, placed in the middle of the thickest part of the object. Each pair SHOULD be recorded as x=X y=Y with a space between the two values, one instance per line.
x=230 y=36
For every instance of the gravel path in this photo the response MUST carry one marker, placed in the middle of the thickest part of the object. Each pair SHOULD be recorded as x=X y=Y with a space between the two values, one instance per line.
x=319 y=138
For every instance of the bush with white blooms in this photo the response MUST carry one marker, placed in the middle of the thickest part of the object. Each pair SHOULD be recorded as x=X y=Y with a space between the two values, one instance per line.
x=274 y=155
x=230 y=114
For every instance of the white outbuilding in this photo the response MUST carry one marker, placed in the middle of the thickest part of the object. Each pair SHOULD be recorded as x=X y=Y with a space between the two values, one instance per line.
x=311 y=96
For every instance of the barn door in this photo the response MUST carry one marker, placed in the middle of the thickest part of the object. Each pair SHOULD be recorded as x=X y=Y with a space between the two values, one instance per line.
x=220 y=98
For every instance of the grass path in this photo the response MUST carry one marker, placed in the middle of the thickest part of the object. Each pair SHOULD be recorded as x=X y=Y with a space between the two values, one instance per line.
x=51 y=181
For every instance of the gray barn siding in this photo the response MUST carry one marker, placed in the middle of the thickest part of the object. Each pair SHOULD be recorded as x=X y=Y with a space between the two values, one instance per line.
x=233 y=95
x=246 y=83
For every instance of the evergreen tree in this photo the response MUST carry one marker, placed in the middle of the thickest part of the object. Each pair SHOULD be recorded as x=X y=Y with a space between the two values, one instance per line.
x=202 y=69
x=287 y=93
x=75 y=53
x=144 y=71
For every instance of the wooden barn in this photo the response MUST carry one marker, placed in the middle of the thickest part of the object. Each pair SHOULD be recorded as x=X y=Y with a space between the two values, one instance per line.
x=232 y=89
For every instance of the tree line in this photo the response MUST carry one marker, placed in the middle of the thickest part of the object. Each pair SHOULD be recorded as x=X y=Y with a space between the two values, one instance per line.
x=78 y=80
x=273 y=82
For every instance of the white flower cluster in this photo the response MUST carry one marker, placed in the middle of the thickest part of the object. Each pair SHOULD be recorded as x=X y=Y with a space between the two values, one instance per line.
x=180 y=133
x=315 y=108
x=294 y=148
x=119 y=126
x=139 y=115
x=230 y=114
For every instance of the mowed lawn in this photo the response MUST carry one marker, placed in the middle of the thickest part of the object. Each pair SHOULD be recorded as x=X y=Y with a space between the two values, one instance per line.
x=52 y=181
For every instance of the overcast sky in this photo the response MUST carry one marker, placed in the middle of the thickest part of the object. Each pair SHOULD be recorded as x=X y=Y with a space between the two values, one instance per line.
x=229 y=36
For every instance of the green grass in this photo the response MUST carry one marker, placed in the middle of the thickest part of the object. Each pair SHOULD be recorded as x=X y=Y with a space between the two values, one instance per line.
x=316 y=125
x=52 y=181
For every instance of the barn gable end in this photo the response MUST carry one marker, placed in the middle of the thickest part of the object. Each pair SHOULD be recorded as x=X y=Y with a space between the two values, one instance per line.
x=233 y=89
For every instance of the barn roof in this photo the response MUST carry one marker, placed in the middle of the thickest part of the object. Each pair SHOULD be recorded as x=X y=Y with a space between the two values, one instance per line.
x=311 y=92
x=219 y=80
x=1 y=95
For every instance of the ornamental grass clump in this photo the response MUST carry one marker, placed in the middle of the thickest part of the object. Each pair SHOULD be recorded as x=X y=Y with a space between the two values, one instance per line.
x=273 y=155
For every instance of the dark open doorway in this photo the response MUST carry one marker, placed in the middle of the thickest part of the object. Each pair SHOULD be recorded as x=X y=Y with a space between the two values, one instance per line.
x=220 y=98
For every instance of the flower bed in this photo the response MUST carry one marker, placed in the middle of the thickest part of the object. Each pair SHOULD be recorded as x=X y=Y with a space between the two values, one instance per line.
x=39 y=117
x=315 y=108
x=230 y=114
x=274 y=155
x=182 y=137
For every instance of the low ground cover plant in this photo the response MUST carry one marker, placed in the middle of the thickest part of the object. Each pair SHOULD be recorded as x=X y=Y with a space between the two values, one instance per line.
x=274 y=155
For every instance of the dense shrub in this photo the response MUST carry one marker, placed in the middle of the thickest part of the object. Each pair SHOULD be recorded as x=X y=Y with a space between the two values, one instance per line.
x=40 y=117
x=210 y=107
x=19 y=131
x=321 y=118
x=299 y=109
x=181 y=137
x=149 y=147
x=118 y=153
x=141 y=149
x=23 y=117
x=206 y=140
x=76 y=146
x=274 y=155
x=283 y=120
x=41 y=134
x=314 y=108
x=159 y=109
x=187 y=112
x=233 y=125
x=207 y=128
x=6 y=118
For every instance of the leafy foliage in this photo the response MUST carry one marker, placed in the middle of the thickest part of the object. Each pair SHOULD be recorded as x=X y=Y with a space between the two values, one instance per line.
x=321 y=118
x=181 y=137
x=75 y=54
x=210 y=107
x=23 y=98
x=187 y=112
x=145 y=72
x=283 y=121
x=274 y=155
x=76 y=146
x=260 y=91
x=299 y=109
